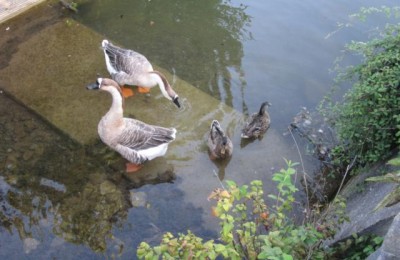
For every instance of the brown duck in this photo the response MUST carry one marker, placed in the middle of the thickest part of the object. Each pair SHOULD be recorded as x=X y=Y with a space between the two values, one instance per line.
x=258 y=123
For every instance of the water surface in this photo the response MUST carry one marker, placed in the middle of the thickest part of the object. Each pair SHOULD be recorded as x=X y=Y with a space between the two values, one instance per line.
x=58 y=196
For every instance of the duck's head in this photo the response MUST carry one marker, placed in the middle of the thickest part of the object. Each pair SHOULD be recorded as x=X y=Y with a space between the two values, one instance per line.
x=263 y=106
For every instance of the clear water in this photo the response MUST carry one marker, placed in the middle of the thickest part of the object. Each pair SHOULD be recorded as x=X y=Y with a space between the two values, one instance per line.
x=57 y=200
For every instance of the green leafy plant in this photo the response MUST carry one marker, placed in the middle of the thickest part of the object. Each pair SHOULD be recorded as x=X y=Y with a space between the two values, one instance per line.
x=357 y=247
x=250 y=229
x=367 y=121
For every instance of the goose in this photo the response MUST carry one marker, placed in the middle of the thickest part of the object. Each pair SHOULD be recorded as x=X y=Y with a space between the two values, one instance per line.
x=258 y=123
x=128 y=67
x=136 y=141
x=219 y=144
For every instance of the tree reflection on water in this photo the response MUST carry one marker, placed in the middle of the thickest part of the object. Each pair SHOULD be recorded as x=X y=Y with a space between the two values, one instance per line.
x=50 y=186
x=199 y=41
x=54 y=191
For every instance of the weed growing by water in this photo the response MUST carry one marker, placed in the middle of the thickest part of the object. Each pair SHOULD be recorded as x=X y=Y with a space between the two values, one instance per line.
x=252 y=229
x=367 y=120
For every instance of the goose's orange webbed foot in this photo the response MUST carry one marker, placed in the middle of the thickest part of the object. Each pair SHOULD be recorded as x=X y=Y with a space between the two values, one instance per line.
x=143 y=90
x=131 y=167
x=127 y=92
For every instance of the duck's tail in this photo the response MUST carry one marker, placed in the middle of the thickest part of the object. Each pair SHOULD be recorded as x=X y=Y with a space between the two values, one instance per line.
x=216 y=127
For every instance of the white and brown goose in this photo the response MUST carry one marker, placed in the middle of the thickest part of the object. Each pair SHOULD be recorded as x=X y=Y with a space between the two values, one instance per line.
x=219 y=144
x=258 y=123
x=128 y=67
x=134 y=140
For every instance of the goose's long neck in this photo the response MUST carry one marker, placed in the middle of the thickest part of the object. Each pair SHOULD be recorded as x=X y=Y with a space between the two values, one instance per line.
x=162 y=82
x=115 y=113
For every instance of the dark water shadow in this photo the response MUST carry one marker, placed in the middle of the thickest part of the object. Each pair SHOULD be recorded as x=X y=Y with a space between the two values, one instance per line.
x=56 y=195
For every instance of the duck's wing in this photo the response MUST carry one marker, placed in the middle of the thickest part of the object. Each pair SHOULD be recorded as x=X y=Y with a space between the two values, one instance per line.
x=251 y=126
x=256 y=126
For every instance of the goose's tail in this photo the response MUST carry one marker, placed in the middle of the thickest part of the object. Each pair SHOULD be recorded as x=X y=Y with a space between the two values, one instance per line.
x=104 y=43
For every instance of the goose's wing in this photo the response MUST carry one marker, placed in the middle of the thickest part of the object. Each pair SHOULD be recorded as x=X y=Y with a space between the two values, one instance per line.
x=141 y=136
x=140 y=142
x=126 y=61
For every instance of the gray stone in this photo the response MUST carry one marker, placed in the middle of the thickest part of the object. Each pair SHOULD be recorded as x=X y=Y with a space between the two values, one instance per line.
x=361 y=203
x=390 y=248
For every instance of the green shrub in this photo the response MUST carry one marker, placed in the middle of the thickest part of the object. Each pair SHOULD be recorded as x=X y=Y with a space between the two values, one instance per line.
x=250 y=229
x=357 y=247
x=367 y=121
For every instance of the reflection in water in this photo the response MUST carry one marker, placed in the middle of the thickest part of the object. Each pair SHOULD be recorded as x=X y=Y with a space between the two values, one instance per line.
x=199 y=41
x=246 y=141
x=53 y=192
x=221 y=166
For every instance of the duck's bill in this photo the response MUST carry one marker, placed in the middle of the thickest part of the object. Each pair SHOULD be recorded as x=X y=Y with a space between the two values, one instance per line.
x=176 y=102
x=94 y=85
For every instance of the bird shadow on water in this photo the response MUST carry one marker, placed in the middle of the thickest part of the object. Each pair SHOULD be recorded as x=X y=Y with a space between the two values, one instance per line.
x=221 y=165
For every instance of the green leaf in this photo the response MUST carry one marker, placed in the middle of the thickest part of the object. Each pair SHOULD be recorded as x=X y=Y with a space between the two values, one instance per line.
x=219 y=248
x=230 y=183
x=272 y=196
x=226 y=229
x=263 y=255
x=287 y=257
x=395 y=161
x=226 y=206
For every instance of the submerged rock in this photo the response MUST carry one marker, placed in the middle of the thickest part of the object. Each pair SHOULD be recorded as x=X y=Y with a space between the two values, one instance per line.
x=30 y=244
x=138 y=199
x=53 y=184
x=107 y=187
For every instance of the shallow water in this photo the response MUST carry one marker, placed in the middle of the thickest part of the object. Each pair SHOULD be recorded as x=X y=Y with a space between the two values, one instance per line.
x=59 y=195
